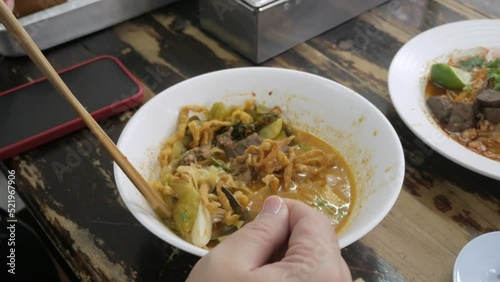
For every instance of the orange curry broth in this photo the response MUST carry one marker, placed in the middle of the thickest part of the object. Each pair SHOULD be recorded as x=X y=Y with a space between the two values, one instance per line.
x=305 y=189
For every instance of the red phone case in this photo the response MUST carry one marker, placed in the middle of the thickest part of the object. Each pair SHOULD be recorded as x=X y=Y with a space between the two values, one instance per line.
x=75 y=124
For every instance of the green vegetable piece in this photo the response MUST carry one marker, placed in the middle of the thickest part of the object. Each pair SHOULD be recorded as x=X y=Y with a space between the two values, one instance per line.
x=472 y=62
x=468 y=88
x=281 y=136
x=220 y=164
x=449 y=77
x=242 y=130
x=186 y=208
x=261 y=109
x=494 y=73
x=494 y=64
x=304 y=147
x=272 y=130
x=165 y=174
x=178 y=149
x=218 y=111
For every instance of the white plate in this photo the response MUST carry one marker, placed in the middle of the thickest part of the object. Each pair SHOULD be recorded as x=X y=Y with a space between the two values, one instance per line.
x=479 y=260
x=407 y=75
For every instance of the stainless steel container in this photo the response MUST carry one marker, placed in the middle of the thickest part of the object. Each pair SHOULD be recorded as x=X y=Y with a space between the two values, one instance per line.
x=262 y=29
x=73 y=19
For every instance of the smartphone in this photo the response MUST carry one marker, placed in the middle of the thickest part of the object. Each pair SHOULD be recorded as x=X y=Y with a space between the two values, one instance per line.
x=35 y=113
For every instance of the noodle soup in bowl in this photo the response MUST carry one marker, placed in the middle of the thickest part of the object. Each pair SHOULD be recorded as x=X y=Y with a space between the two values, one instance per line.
x=361 y=135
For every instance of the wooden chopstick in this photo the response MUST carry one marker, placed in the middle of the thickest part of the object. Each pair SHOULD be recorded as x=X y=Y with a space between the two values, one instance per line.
x=17 y=30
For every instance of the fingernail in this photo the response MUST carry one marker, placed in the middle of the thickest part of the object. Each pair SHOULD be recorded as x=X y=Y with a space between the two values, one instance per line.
x=272 y=205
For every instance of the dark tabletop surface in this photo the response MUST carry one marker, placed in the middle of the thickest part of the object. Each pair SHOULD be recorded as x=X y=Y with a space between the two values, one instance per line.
x=441 y=207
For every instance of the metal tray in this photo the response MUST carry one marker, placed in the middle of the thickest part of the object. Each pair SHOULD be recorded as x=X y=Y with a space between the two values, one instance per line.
x=262 y=29
x=74 y=19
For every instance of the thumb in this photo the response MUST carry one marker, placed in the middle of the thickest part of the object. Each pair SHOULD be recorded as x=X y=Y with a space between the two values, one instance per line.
x=10 y=4
x=256 y=242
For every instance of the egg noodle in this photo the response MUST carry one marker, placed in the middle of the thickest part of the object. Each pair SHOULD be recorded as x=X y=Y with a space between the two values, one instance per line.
x=252 y=152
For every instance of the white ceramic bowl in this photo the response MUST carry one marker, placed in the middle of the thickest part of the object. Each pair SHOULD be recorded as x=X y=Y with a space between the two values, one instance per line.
x=356 y=128
x=479 y=260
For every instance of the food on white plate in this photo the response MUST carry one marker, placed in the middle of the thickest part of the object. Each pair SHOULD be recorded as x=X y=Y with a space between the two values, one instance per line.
x=463 y=95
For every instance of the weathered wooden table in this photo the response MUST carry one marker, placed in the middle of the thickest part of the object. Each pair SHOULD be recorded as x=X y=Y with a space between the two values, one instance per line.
x=441 y=207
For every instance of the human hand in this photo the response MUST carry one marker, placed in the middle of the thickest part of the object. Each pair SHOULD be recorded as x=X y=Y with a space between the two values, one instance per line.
x=10 y=4
x=288 y=241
